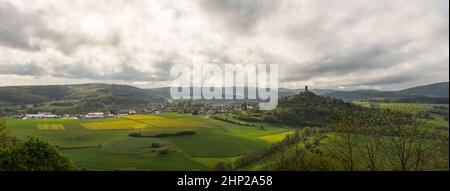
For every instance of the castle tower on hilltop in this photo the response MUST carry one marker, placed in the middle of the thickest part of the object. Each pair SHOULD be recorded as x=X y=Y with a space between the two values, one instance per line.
x=306 y=88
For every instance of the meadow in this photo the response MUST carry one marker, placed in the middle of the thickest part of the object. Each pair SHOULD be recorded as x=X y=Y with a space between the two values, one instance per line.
x=437 y=112
x=105 y=144
x=407 y=107
x=323 y=150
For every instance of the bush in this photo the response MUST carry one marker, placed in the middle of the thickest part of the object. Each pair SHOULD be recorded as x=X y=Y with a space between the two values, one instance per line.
x=174 y=134
x=156 y=145
x=159 y=135
x=222 y=166
x=163 y=152
x=135 y=134
x=298 y=159
x=34 y=155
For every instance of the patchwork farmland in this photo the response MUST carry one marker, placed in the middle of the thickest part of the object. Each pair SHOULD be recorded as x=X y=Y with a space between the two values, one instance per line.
x=106 y=144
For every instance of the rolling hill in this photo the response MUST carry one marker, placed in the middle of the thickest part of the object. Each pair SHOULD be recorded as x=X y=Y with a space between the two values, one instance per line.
x=90 y=97
x=76 y=98
x=304 y=109
x=282 y=92
x=432 y=93
x=431 y=90
x=94 y=92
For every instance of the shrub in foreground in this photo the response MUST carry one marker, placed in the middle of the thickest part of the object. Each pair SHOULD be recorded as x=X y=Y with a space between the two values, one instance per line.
x=33 y=155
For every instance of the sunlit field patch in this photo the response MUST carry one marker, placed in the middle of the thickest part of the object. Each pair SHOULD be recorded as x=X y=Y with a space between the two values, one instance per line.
x=275 y=137
x=51 y=127
x=114 y=125
x=214 y=143
x=157 y=121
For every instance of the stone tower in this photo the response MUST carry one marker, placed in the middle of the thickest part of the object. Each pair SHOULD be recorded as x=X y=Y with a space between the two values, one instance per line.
x=306 y=88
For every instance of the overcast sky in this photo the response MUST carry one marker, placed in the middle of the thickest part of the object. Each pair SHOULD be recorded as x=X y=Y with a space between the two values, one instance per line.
x=351 y=44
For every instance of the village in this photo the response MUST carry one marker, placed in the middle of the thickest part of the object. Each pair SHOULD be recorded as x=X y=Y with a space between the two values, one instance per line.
x=182 y=108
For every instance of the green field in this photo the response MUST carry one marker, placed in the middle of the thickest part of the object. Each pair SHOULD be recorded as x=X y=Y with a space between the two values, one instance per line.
x=275 y=137
x=407 y=107
x=437 y=112
x=104 y=144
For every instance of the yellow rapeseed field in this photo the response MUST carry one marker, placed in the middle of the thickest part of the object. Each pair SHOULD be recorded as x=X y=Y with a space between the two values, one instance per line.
x=114 y=125
x=51 y=127
x=157 y=121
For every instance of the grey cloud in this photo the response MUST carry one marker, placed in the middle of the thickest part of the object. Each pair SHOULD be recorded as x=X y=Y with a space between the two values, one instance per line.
x=17 y=27
x=125 y=72
x=389 y=80
x=338 y=51
x=347 y=62
x=240 y=15
x=393 y=79
x=163 y=68
x=319 y=41
x=22 y=69
x=76 y=71
x=70 y=43
x=130 y=73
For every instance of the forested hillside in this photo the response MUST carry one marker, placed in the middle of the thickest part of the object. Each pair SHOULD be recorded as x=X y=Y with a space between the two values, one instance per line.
x=305 y=108
x=76 y=98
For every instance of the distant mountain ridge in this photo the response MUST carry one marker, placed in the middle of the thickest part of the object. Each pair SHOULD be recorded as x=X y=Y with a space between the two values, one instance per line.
x=431 y=93
x=100 y=92
x=282 y=92
x=74 y=99
x=433 y=90
x=123 y=94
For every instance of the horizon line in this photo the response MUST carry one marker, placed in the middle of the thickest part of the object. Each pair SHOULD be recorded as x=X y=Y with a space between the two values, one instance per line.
x=299 y=88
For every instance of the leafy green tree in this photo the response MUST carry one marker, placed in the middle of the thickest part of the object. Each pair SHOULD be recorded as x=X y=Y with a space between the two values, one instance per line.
x=343 y=143
x=440 y=161
x=5 y=138
x=406 y=148
x=194 y=112
x=295 y=158
x=33 y=155
x=369 y=140
x=362 y=127
x=3 y=132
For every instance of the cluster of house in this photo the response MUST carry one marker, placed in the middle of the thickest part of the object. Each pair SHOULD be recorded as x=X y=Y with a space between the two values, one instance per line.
x=204 y=109
x=93 y=115
x=47 y=115
x=41 y=115
x=200 y=109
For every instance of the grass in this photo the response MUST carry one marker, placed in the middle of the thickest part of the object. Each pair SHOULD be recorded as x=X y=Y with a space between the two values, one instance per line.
x=217 y=143
x=438 y=121
x=104 y=144
x=407 y=107
x=168 y=121
x=102 y=159
x=275 y=137
x=133 y=145
x=114 y=125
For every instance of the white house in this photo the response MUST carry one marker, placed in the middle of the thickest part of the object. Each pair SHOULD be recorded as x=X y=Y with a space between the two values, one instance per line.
x=43 y=115
x=94 y=115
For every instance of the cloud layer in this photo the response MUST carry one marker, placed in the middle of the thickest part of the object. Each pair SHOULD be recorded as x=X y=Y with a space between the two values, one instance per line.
x=322 y=43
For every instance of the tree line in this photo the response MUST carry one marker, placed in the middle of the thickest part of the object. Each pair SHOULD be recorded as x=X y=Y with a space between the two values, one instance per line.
x=361 y=140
